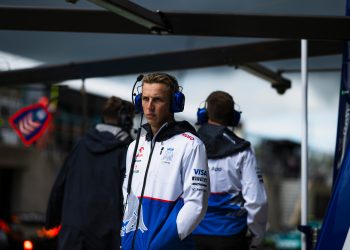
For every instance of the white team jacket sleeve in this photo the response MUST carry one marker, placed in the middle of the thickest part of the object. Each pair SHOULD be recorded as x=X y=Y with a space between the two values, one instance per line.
x=254 y=194
x=196 y=186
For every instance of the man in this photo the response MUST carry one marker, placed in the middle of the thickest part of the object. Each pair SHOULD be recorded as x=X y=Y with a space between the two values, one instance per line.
x=237 y=209
x=86 y=198
x=169 y=184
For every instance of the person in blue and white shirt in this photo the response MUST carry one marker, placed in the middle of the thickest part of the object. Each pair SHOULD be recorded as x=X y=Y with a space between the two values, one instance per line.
x=169 y=173
x=237 y=212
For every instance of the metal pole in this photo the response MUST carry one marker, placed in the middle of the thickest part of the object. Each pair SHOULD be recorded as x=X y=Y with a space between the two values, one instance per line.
x=84 y=108
x=304 y=142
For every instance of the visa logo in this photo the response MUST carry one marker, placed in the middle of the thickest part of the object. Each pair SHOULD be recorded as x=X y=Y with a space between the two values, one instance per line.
x=200 y=171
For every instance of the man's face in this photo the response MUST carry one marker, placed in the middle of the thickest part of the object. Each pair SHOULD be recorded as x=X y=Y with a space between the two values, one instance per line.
x=156 y=104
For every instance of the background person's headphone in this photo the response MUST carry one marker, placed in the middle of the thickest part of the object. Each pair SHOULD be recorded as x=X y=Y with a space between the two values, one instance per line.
x=202 y=116
x=177 y=100
x=125 y=117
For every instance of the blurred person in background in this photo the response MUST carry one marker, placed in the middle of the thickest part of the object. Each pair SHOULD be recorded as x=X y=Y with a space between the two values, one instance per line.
x=86 y=198
x=237 y=211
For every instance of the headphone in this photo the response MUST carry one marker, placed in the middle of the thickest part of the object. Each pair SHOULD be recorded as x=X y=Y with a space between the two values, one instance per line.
x=177 y=100
x=125 y=117
x=202 y=117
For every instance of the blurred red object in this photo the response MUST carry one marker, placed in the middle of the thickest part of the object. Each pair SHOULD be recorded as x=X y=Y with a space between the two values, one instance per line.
x=4 y=227
x=51 y=233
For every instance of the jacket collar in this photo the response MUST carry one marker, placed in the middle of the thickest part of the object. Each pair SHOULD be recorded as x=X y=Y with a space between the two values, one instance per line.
x=168 y=130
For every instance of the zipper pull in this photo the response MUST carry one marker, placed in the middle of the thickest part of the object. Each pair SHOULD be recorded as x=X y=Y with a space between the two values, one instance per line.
x=161 y=150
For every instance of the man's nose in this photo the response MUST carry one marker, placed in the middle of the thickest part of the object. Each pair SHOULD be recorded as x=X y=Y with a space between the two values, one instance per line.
x=149 y=105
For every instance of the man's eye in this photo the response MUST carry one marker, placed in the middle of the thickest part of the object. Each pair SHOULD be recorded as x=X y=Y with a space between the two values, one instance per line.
x=157 y=100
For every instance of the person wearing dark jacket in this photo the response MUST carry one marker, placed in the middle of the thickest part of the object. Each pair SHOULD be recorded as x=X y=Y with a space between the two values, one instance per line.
x=86 y=198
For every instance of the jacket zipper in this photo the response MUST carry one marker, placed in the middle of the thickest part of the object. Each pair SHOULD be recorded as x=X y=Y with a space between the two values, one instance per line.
x=153 y=143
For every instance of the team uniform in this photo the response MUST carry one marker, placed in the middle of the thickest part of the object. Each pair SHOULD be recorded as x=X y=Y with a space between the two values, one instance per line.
x=238 y=201
x=175 y=193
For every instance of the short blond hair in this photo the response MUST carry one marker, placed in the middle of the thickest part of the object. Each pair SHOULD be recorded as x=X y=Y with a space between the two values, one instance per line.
x=163 y=78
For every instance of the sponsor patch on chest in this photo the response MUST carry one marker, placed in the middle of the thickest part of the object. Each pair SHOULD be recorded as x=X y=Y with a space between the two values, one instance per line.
x=168 y=155
x=140 y=153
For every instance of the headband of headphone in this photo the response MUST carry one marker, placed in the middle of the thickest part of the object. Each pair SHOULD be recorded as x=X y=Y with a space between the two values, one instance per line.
x=177 y=100
x=202 y=117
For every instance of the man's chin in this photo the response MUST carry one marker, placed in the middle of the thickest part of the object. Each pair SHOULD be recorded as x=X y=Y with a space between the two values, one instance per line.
x=150 y=119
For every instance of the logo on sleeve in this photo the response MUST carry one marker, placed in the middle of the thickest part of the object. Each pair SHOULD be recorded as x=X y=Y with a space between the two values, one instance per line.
x=198 y=171
x=199 y=180
x=259 y=174
x=188 y=136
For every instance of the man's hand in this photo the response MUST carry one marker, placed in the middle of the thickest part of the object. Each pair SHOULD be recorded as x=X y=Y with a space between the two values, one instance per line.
x=252 y=240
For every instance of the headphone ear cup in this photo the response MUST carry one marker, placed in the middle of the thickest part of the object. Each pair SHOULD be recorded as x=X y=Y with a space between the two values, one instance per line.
x=202 y=116
x=124 y=119
x=178 y=102
x=138 y=104
x=126 y=122
x=236 y=118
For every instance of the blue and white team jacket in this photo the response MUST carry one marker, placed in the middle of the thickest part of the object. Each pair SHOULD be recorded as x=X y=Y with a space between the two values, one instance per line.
x=176 y=190
x=237 y=199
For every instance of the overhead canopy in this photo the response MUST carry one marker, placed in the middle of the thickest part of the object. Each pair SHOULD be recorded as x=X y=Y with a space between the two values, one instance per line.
x=134 y=19
x=229 y=55
x=189 y=24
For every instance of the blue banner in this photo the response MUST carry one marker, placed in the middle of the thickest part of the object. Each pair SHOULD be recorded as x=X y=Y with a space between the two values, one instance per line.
x=336 y=222
x=343 y=130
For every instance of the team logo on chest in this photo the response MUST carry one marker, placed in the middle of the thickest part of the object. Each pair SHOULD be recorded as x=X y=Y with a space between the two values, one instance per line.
x=168 y=155
x=140 y=153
